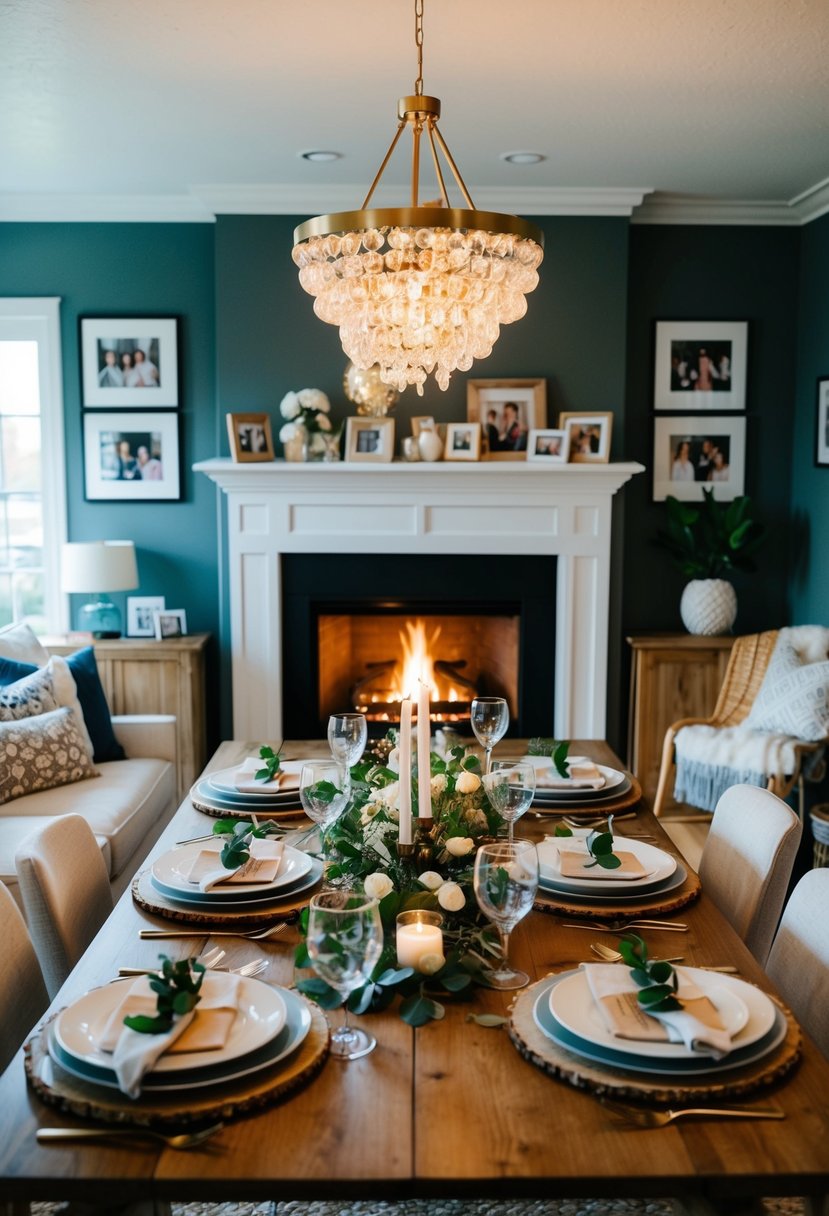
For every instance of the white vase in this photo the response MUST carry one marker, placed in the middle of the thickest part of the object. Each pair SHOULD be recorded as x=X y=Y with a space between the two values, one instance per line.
x=708 y=606
x=430 y=445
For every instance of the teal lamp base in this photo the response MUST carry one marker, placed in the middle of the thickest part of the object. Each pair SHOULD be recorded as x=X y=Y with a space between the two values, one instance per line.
x=101 y=618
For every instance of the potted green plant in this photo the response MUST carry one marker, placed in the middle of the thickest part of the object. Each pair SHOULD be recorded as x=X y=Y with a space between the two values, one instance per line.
x=707 y=541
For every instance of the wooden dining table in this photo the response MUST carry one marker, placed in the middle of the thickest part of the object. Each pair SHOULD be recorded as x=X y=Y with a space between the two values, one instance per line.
x=450 y=1109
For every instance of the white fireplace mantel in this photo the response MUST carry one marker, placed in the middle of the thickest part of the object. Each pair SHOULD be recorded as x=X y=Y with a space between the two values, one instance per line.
x=490 y=507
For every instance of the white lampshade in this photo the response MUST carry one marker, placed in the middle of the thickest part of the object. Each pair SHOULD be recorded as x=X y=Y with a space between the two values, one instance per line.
x=99 y=565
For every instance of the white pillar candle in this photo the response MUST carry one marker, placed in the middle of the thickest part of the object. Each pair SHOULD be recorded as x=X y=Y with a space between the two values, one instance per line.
x=405 y=797
x=419 y=940
x=424 y=763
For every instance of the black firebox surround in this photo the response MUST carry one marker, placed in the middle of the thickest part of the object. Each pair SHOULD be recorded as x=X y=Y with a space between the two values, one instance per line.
x=404 y=584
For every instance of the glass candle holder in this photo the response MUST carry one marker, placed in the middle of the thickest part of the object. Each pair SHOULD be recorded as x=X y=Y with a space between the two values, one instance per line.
x=420 y=940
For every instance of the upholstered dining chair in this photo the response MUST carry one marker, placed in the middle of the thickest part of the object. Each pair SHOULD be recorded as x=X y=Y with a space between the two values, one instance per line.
x=23 y=994
x=66 y=895
x=798 y=962
x=747 y=862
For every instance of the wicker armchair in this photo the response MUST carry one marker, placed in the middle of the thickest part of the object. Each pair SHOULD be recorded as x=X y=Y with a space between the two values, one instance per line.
x=743 y=677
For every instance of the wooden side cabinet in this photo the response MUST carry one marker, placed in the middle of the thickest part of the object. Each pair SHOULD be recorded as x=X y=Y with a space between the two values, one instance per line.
x=143 y=676
x=673 y=675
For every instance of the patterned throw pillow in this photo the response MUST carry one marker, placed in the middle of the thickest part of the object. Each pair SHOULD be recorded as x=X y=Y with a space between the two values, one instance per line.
x=794 y=696
x=48 y=688
x=41 y=753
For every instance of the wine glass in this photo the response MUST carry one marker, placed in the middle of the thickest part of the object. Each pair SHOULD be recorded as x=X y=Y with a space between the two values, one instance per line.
x=506 y=880
x=510 y=786
x=324 y=790
x=489 y=718
x=347 y=736
x=345 y=941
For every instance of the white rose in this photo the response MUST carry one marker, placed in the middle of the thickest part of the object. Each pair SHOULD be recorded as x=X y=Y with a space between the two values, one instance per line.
x=451 y=897
x=377 y=885
x=438 y=783
x=323 y=422
x=288 y=432
x=467 y=783
x=313 y=399
x=459 y=846
x=289 y=406
x=431 y=880
x=393 y=761
x=389 y=793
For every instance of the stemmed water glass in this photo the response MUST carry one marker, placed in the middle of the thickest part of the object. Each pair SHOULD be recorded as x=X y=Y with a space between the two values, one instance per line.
x=510 y=786
x=347 y=737
x=345 y=941
x=506 y=880
x=489 y=718
x=324 y=791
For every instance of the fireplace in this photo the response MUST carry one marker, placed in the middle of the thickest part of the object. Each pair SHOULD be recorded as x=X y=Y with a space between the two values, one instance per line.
x=358 y=632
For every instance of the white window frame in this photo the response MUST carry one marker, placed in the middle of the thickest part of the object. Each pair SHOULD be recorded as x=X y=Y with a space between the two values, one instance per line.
x=37 y=319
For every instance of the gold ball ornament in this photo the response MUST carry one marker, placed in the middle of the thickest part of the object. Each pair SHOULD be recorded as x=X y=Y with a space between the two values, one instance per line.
x=369 y=393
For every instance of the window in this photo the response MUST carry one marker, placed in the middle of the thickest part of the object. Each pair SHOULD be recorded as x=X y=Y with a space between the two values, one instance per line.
x=32 y=477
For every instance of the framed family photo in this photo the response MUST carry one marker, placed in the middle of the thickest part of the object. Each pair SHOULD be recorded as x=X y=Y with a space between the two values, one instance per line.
x=507 y=411
x=131 y=457
x=693 y=453
x=548 y=447
x=141 y=610
x=170 y=623
x=129 y=362
x=822 y=435
x=700 y=365
x=588 y=436
x=463 y=441
x=370 y=439
x=250 y=437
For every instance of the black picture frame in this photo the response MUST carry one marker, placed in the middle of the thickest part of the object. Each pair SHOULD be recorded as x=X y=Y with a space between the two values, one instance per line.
x=115 y=475
x=111 y=376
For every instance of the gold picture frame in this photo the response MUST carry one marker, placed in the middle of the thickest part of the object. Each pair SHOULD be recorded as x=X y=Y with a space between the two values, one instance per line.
x=463 y=441
x=250 y=437
x=589 y=434
x=507 y=411
x=370 y=439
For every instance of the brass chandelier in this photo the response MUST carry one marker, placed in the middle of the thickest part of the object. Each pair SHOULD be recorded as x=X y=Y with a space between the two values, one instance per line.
x=423 y=288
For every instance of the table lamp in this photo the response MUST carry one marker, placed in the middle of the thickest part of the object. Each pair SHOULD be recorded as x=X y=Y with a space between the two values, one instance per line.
x=95 y=568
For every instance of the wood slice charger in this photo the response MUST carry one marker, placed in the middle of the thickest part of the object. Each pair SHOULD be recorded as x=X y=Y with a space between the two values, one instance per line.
x=151 y=900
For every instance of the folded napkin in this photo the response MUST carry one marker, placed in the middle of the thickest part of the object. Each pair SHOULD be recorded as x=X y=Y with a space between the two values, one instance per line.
x=245 y=779
x=262 y=866
x=573 y=861
x=584 y=775
x=205 y=1028
x=697 y=1024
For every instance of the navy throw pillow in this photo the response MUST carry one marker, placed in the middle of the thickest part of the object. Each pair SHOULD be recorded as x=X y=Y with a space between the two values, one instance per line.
x=91 y=695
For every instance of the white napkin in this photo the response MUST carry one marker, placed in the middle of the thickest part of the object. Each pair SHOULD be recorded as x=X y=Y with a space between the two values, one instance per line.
x=134 y=1054
x=245 y=780
x=584 y=775
x=263 y=866
x=697 y=1025
x=573 y=857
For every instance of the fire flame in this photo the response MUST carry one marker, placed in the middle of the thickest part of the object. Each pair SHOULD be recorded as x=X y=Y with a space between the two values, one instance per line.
x=416 y=659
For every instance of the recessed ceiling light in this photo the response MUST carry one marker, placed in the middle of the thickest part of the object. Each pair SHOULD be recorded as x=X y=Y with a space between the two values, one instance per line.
x=318 y=157
x=522 y=158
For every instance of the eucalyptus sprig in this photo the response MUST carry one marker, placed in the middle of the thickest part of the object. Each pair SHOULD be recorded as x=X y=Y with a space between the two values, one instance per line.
x=600 y=847
x=178 y=988
x=657 y=981
x=556 y=749
x=271 y=761
x=236 y=850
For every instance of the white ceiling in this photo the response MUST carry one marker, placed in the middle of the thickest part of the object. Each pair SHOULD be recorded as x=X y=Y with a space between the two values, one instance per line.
x=209 y=99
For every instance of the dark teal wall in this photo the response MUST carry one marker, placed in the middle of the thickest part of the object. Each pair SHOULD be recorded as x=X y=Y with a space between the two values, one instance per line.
x=120 y=270
x=722 y=273
x=810 y=485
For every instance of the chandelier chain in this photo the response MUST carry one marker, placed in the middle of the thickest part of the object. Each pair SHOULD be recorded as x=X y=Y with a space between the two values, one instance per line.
x=419 y=45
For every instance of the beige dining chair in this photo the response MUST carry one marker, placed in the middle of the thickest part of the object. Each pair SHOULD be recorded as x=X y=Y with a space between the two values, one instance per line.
x=23 y=995
x=798 y=962
x=747 y=862
x=66 y=895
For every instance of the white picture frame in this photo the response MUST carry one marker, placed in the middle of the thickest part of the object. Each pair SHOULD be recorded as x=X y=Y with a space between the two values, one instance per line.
x=704 y=436
x=111 y=376
x=141 y=610
x=548 y=446
x=112 y=473
x=589 y=435
x=170 y=623
x=679 y=349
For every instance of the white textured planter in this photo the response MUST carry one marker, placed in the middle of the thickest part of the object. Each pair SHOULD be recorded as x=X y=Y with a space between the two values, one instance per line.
x=708 y=606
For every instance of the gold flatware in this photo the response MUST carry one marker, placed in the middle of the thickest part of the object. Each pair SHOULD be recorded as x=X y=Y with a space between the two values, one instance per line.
x=640 y=1117
x=55 y=1135
x=248 y=970
x=613 y=956
x=590 y=821
x=255 y=935
x=621 y=926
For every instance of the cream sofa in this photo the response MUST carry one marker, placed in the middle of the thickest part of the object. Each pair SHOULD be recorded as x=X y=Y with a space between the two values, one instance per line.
x=127 y=806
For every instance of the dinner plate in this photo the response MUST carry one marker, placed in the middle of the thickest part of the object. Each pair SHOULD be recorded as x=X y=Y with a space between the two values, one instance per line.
x=203 y=792
x=204 y=788
x=658 y=864
x=697 y=1066
x=198 y=899
x=613 y=778
x=577 y=797
x=573 y=1006
x=293 y=1033
x=261 y=1016
x=172 y=868
x=616 y=897
x=224 y=782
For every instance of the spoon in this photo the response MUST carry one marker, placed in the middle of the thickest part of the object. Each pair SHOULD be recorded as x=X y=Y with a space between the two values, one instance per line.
x=613 y=956
x=183 y=1140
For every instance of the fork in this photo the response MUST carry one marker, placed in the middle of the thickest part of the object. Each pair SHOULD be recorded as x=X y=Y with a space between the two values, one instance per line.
x=254 y=935
x=184 y=1140
x=641 y=1117
x=613 y=956
x=210 y=960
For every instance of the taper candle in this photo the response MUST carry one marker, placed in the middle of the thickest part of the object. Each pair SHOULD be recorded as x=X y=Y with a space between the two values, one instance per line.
x=424 y=747
x=405 y=747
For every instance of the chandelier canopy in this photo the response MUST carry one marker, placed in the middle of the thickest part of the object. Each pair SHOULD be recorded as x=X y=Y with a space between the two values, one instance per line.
x=423 y=288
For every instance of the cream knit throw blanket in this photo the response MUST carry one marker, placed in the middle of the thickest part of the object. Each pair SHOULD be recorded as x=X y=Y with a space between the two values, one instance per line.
x=792 y=706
